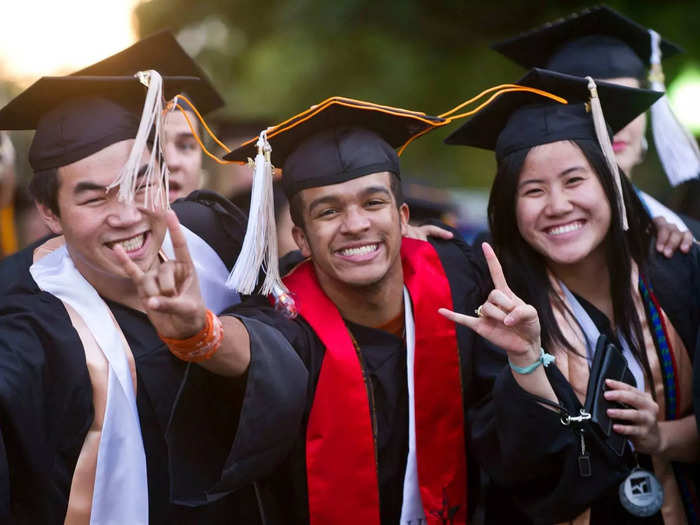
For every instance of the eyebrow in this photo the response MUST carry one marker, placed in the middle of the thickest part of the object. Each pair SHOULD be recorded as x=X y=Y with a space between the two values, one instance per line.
x=562 y=174
x=329 y=199
x=85 y=186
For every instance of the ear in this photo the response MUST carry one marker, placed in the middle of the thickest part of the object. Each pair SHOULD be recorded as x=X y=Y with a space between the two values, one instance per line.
x=301 y=240
x=49 y=218
x=404 y=215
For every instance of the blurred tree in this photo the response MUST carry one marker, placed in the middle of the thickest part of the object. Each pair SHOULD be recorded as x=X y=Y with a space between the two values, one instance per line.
x=276 y=58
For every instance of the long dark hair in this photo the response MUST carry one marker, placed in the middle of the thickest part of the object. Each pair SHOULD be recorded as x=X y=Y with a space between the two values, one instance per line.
x=526 y=269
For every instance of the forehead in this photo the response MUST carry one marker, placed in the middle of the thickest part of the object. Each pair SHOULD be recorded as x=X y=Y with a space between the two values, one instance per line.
x=351 y=188
x=101 y=167
x=175 y=122
x=553 y=157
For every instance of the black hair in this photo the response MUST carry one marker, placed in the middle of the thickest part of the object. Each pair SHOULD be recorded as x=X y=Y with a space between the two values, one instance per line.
x=296 y=206
x=526 y=269
x=44 y=188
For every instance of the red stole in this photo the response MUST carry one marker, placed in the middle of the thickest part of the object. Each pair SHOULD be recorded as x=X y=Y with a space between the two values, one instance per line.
x=341 y=464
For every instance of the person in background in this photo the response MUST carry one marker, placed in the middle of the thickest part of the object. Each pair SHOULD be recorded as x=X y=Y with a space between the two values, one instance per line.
x=573 y=238
x=604 y=44
x=8 y=228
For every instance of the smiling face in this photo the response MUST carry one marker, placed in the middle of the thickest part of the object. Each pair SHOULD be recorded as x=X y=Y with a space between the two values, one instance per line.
x=352 y=231
x=562 y=211
x=627 y=143
x=93 y=220
x=182 y=155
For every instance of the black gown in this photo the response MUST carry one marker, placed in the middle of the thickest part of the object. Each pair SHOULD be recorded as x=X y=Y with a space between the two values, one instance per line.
x=283 y=493
x=532 y=459
x=46 y=394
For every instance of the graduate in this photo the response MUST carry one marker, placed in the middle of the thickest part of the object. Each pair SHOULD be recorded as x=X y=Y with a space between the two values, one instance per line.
x=382 y=440
x=606 y=45
x=566 y=441
x=88 y=374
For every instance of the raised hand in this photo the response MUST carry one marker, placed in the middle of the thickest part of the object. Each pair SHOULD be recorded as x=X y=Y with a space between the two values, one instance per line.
x=504 y=319
x=169 y=292
x=670 y=238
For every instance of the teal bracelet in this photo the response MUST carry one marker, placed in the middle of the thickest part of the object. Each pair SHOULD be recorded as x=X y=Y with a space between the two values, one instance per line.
x=545 y=359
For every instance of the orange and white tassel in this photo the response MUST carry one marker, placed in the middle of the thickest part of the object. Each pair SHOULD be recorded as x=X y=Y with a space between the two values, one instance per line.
x=601 y=131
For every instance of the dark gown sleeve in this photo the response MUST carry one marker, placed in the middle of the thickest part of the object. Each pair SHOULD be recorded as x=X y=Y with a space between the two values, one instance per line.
x=45 y=406
x=273 y=400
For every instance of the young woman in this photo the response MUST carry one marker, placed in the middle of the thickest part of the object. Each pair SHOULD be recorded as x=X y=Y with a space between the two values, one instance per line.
x=558 y=213
x=606 y=45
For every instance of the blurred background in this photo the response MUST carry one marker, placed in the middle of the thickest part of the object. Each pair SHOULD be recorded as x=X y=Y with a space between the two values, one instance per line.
x=273 y=59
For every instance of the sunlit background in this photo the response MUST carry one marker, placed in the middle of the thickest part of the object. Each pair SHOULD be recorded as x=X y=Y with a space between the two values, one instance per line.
x=48 y=37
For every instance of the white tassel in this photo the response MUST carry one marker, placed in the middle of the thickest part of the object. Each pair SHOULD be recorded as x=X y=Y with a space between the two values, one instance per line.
x=259 y=249
x=676 y=146
x=156 y=175
x=601 y=131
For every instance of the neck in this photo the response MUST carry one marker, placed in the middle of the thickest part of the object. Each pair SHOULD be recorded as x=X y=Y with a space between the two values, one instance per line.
x=590 y=279
x=372 y=305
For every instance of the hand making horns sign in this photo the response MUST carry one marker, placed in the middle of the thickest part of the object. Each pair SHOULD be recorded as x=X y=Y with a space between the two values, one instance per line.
x=169 y=292
x=504 y=319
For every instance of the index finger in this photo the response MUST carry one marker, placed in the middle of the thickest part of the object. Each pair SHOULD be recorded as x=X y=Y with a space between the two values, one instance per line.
x=499 y=280
x=130 y=267
x=180 y=249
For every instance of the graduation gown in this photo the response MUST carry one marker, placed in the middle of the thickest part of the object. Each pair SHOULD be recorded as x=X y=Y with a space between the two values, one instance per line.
x=532 y=459
x=46 y=405
x=283 y=492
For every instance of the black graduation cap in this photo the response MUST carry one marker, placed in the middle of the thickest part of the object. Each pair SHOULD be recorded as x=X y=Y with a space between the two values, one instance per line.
x=522 y=120
x=338 y=140
x=163 y=53
x=76 y=116
x=80 y=114
x=599 y=42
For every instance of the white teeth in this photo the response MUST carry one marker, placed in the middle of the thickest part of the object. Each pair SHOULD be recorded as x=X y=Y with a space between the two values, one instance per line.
x=132 y=244
x=361 y=250
x=560 y=230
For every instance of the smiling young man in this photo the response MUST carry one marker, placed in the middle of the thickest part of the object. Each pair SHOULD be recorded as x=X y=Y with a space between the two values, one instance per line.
x=382 y=440
x=87 y=377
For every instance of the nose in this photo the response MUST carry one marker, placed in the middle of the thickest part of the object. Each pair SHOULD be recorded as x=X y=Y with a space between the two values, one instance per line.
x=558 y=202
x=355 y=221
x=172 y=156
x=124 y=215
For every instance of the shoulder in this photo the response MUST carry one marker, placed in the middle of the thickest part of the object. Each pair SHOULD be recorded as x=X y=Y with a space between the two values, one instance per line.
x=216 y=220
x=14 y=270
x=676 y=284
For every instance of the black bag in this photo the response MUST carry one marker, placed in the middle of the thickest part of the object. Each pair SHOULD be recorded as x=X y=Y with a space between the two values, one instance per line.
x=608 y=363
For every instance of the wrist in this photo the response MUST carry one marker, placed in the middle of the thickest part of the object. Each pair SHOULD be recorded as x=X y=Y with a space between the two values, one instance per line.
x=542 y=358
x=200 y=346
x=525 y=358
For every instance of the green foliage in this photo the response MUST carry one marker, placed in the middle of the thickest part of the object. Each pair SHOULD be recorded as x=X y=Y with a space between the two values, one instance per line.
x=273 y=59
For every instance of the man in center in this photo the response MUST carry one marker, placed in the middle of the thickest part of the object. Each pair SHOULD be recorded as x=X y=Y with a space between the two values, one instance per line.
x=383 y=439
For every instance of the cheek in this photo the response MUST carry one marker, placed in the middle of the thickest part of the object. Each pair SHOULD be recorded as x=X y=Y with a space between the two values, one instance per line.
x=525 y=216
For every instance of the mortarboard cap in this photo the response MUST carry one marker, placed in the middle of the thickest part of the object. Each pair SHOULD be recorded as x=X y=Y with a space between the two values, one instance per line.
x=332 y=142
x=338 y=140
x=602 y=43
x=76 y=116
x=598 y=42
x=163 y=53
x=517 y=122
x=522 y=120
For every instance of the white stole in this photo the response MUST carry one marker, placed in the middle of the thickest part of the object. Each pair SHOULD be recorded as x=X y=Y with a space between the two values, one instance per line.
x=121 y=474
x=412 y=506
x=121 y=489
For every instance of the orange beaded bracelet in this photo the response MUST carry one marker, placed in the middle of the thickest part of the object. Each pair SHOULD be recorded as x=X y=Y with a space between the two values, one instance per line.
x=202 y=345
